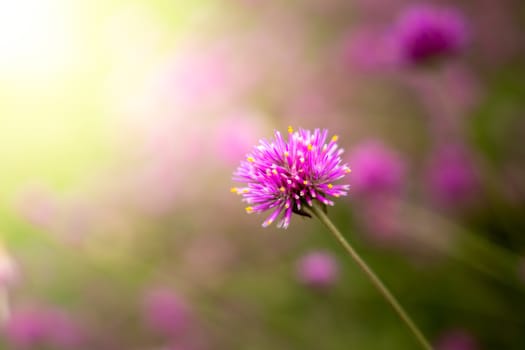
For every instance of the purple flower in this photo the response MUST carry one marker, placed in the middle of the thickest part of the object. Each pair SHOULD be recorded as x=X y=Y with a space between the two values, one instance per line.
x=284 y=175
x=378 y=169
x=318 y=269
x=167 y=313
x=25 y=329
x=426 y=32
x=42 y=327
x=451 y=176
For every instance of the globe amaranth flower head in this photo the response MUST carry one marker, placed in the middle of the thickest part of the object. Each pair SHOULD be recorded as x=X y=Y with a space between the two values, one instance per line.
x=285 y=175
x=426 y=32
x=318 y=269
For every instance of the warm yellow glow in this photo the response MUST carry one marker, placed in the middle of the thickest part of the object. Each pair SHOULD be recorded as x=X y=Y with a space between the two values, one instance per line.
x=35 y=37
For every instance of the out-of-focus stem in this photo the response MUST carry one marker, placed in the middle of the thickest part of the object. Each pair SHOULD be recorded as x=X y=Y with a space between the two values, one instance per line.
x=489 y=258
x=385 y=292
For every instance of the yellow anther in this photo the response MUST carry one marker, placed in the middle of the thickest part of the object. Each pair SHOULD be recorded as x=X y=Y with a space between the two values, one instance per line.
x=245 y=190
x=305 y=182
x=310 y=147
x=282 y=189
x=290 y=129
x=249 y=210
x=274 y=172
x=250 y=159
x=348 y=170
x=286 y=153
x=233 y=190
x=335 y=138
x=330 y=185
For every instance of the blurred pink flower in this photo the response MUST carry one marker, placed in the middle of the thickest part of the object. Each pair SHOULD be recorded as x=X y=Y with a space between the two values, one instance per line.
x=318 y=269
x=425 y=32
x=42 y=327
x=376 y=169
x=456 y=339
x=197 y=78
x=235 y=135
x=167 y=313
x=451 y=176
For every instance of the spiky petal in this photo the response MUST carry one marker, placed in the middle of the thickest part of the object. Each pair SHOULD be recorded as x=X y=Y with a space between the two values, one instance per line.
x=282 y=175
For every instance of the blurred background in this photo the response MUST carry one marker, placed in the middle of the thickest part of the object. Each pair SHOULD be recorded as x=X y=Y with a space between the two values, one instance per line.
x=121 y=123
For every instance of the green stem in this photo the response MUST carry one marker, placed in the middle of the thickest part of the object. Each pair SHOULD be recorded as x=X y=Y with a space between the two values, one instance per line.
x=318 y=212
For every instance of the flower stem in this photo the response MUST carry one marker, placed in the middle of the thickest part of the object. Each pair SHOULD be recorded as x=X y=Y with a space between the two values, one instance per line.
x=318 y=212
